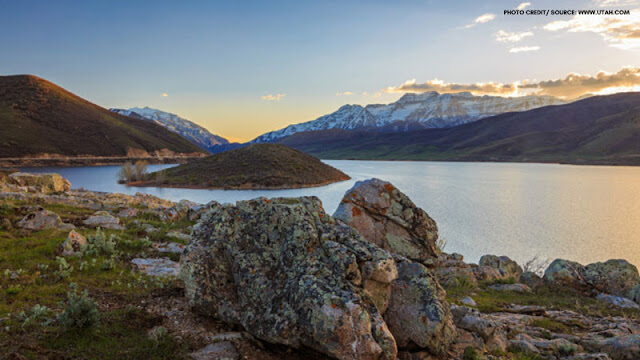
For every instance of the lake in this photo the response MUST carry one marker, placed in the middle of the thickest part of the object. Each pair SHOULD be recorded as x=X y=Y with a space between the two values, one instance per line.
x=581 y=213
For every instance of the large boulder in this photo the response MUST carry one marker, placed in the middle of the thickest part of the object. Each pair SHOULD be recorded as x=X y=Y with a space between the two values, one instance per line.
x=291 y=274
x=105 y=220
x=505 y=266
x=616 y=277
x=43 y=219
x=563 y=273
x=45 y=183
x=385 y=216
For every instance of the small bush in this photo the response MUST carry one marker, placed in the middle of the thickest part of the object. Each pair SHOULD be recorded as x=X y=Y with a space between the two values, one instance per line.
x=80 y=311
x=64 y=269
x=471 y=354
x=567 y=349
x=158 y=334
x=100 y=244
x=38 y=315
x=132 y=172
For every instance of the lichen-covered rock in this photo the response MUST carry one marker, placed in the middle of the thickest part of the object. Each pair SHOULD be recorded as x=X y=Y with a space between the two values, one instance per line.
x=43 y=219
x=616 y=276
x=565 y=274
x=618 y=301
x=505 y=266
x=104 y=220
x=73 y=244
x=291 y=274
x=385 y=216
x=45 y=183
x=531 y=279
x=618 y=348
x=416 y=295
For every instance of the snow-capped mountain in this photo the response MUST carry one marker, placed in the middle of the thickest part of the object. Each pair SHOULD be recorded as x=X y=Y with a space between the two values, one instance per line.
x=189 y=130
x=415 y=111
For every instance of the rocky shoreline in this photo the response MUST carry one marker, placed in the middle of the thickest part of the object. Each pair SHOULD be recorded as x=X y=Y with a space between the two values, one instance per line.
x=281 y=278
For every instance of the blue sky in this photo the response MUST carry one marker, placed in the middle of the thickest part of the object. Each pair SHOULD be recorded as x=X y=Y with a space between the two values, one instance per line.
x=219 y=62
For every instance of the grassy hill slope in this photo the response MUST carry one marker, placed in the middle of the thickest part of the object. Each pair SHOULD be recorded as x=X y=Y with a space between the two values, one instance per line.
x=37 y=116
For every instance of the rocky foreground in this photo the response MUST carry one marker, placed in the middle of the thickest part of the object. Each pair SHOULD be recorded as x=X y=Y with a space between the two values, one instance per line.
x=281 y=278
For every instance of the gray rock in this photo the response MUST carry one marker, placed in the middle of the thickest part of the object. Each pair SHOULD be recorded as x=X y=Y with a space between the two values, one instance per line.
x=128 y=212
x=385 y=216
x=618 y=301
x=291 y=274
x=507 y=268
x=531 y=279
x=104 y=220
x=467 y=300
x=157 y=267
x=43 y=219
x=616 y=277
x=218 y=351
x=618 y=348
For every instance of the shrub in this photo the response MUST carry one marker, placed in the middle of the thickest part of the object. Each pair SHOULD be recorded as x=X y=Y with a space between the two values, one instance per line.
x=38 y=315
x=158 y=334
x=470 y=354
x=80 y=311
x=100 y=244
x=132 y=172
x=64 y=269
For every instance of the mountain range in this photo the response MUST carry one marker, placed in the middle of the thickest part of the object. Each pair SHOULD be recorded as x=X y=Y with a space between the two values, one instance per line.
x=595 y=130
x=187 y=129
x=415 y=112
x=40 y=118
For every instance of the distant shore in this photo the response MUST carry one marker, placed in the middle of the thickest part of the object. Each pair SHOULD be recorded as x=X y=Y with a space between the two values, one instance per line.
x=90 y=161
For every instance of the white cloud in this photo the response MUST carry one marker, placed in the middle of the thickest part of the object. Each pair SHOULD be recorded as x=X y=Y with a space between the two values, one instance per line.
x=271 y=97
x=346 y=93
x=484 y=18
x=605 y=3
x=503 y=36
x=523 y=5
x=524 y=49
x=621 y=31
x=572 y=86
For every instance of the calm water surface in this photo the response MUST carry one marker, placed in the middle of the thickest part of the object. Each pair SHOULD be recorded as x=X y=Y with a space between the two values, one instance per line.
x=582 y=213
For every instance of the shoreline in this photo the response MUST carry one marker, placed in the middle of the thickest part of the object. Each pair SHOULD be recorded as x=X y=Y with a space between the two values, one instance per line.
x=242 y=187
x=89 y=161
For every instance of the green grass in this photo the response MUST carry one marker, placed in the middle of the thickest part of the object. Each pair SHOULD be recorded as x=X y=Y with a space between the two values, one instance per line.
x=29 y=276
x=120 y=334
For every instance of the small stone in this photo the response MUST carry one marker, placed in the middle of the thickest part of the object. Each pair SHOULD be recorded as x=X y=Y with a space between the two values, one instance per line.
x=219 y=351
x=128 y=212
x=175 y=248
x=73 y=244
x=157 y=267
x=467 y=300
x=178 y=235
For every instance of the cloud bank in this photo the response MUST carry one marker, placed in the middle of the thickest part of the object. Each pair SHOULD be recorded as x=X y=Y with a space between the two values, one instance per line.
x=572 y=86
x=620 y=31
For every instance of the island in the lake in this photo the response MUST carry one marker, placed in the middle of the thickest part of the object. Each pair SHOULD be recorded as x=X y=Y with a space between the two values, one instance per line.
x=257 y=166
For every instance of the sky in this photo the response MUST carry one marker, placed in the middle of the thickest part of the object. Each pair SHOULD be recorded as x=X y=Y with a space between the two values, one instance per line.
x=242 y=68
